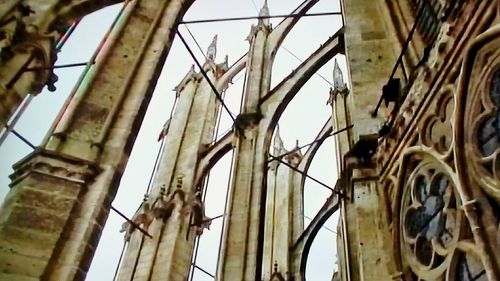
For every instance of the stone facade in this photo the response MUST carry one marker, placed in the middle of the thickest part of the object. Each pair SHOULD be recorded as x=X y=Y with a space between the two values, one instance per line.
x=424 y=206
x=82 y=161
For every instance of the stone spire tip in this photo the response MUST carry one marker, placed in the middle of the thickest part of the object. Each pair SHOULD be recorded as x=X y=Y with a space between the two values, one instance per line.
x=264 y=12
x=212 y=49
x=279 y=147
x=338 y=78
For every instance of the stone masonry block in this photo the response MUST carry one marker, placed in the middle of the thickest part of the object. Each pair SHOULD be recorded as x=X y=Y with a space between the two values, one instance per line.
x=21 y=264
x=37 y=219
x=16 y=277
x=18 y=240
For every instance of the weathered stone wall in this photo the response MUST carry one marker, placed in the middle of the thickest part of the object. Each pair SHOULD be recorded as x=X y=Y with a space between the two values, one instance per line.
x=428 y=187
x=371 y=52
x=86 y=154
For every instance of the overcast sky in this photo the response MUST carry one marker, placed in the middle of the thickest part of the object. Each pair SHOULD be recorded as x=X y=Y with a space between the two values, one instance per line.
x=301 y=121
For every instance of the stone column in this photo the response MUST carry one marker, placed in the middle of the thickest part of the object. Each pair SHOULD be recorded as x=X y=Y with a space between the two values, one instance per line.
x=241 y=251
x=60 y=195
x=340 y=116
x=343 y=144
x=371 y=50
x=243 y=230
x=174 y=213
x=281 y=213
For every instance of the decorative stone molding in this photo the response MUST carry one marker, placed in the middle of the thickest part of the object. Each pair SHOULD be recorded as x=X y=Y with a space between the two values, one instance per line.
x=248 y=120
x=432 y=74
x=53 y=164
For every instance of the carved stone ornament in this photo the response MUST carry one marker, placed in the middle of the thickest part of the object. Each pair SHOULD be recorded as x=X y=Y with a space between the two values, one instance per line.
x=12 y=30
x=164 y=204
x=478 y=127
x=143 y=218
x=162 y=207
x=437 y=131
x=196 y=207
x=54 y=165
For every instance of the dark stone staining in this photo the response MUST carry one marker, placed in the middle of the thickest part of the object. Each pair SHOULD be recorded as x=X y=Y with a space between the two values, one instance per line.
x=89 y=113
x=36 y=219
x=373 y=35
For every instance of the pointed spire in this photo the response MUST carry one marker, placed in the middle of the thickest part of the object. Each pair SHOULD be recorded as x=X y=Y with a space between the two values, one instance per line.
x=264 y=12
x=212 y=49
x=338 y=78
x=279 y=147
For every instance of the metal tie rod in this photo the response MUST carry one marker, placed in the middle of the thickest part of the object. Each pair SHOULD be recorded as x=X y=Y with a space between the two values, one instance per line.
x=305 y=174
x=260 y=17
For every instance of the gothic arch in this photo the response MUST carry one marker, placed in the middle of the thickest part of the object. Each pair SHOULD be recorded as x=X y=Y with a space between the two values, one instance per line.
x=300 y=250
x=213 y=155
x=77 y=9
x=308 y=157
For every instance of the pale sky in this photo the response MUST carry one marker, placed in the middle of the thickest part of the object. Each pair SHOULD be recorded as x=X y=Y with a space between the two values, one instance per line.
x=302 y=120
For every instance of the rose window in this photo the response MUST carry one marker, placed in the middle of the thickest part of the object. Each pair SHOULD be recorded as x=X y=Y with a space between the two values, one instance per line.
x=429 y=222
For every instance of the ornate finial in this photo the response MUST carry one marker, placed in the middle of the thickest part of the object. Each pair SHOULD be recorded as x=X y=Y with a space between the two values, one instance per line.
x=212 y=49
x=296 y=156
x=264 y=12
x=338 y=78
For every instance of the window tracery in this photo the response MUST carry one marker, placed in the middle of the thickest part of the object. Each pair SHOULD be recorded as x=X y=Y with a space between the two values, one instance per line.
x=429 y=220
x=454 y=160
x=439 y=131
x=481 y=126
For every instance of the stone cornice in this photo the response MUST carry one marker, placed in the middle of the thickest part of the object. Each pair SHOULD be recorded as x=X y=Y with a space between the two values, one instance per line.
x=55 y=165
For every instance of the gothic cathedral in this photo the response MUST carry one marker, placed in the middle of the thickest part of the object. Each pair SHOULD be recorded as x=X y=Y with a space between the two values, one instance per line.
x=416 y=130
